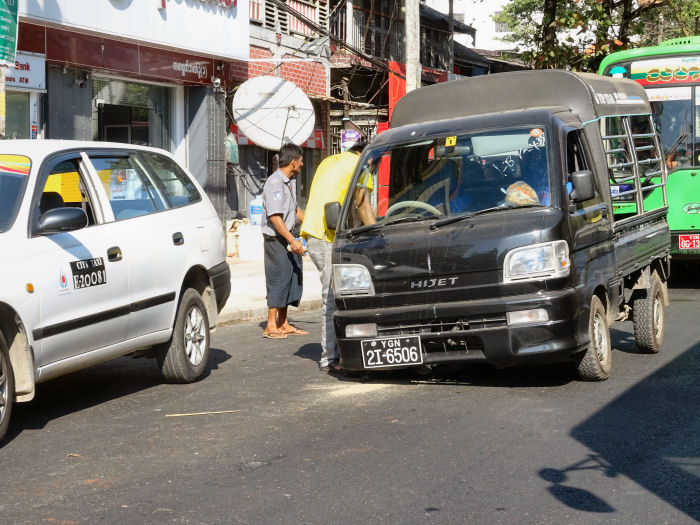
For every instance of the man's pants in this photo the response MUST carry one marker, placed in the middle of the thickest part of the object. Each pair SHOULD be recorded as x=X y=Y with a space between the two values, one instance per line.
x=320 y=253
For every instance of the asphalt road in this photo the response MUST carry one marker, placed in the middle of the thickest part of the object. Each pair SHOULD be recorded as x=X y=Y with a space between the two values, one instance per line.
x=268 y=438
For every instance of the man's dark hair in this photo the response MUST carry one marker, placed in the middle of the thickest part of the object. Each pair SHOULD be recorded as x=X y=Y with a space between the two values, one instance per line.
x=288 y=153
x=358 y=146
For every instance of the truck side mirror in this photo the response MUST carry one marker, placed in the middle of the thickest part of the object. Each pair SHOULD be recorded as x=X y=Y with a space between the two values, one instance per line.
x=332 y=213
x=582 y=182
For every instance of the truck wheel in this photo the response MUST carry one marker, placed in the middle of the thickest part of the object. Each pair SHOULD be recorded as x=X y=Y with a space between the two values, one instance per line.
x=649 y=318
x=597 y=360
x=184 y=358
x=7 y=387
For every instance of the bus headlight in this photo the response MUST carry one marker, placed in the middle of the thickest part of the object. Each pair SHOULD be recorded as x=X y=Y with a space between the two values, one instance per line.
x=351 y=279
x=539 y=261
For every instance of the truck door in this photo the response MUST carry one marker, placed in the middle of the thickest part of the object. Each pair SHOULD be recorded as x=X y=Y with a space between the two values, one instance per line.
x=589 y=219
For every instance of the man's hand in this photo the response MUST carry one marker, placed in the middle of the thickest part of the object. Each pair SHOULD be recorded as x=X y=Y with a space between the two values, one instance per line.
x=297 y=247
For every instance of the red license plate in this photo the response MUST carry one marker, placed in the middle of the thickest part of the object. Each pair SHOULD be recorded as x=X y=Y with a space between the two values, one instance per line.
x=689 y=242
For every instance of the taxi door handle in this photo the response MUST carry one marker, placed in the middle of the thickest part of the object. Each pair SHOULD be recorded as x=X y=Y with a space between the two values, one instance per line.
x=114 y=254
x=178 y=239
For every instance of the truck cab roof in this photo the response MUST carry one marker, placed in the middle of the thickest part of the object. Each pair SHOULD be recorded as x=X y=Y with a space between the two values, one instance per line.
x=589 y=96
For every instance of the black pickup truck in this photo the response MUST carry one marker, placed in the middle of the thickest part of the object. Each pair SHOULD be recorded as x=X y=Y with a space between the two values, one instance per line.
x=494 y=237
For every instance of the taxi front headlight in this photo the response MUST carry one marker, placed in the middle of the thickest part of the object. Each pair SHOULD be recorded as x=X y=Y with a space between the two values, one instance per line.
x=539 y=261
x=351 y=279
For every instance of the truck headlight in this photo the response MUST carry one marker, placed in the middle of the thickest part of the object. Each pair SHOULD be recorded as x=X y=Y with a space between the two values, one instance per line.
x=351 y=279
x=538 y=261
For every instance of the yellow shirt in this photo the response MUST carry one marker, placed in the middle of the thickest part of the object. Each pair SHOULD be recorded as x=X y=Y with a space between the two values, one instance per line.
x=330 y=184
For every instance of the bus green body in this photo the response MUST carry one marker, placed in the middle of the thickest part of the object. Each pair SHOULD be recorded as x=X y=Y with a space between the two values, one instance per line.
x=670 y=73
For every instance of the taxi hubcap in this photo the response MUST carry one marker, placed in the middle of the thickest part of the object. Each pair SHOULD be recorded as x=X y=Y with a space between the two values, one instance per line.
x=195 y=336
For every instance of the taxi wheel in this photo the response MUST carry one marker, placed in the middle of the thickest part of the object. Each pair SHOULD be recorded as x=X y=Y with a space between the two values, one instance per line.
x=648 y=318
x=596 y=363
x=7 y=387
x=184 y=359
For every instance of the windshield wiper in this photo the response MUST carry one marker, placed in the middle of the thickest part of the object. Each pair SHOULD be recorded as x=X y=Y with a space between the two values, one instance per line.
x=467 y=215
x=379 y=225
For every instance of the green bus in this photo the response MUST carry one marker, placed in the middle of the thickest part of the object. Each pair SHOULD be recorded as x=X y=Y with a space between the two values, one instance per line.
x=670 y=73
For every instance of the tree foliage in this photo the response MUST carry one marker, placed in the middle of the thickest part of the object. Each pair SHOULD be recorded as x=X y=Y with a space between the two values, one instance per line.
x=578 y=34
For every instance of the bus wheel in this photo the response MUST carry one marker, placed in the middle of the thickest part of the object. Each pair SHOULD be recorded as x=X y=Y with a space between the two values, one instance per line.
x=649 y=318
x=7 y=387
x=596 y=363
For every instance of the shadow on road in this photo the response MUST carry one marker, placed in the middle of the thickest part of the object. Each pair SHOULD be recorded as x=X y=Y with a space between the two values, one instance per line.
x=91 y=387
x=649 y=434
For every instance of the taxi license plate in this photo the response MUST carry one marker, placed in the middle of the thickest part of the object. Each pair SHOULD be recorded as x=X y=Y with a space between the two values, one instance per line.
x=689 y=242
x=388 y=352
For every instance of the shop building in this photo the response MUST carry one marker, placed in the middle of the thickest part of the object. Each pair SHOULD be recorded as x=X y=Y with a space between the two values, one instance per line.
x=147 y=72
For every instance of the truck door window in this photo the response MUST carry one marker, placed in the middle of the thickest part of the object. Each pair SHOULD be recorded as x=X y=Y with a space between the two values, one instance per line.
x=63 y=187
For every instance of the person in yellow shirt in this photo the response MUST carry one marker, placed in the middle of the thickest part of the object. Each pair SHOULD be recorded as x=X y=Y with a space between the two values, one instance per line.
x=330 y=184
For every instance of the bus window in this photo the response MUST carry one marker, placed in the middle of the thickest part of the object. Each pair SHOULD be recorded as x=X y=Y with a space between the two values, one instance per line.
x=672 y=111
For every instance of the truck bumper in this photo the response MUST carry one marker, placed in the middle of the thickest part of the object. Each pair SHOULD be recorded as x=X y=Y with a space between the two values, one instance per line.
x=475 y=331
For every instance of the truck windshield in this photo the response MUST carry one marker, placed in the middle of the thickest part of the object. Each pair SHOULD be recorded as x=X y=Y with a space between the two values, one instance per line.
x=451 y=175
x=14 y=172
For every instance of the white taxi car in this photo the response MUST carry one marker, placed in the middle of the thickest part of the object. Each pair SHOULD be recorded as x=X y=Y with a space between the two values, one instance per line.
x=105 y=249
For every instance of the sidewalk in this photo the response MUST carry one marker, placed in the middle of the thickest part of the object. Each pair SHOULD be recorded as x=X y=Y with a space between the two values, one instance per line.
x=247 y=300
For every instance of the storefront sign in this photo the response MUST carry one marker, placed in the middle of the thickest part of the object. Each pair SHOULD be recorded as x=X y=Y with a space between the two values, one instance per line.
x=8 y=30
x=27 y=72
x=179 y=67
x=204 y=27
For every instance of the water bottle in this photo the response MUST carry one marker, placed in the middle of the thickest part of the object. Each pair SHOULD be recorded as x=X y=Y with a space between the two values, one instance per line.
x=256 y=210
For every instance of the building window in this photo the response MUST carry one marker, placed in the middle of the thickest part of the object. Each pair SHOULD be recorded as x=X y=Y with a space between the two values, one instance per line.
x=501 y=27
x=267 y=14
x=17 y=118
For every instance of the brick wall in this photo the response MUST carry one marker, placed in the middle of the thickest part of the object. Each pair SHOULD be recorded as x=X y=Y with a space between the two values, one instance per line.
x=310 y=77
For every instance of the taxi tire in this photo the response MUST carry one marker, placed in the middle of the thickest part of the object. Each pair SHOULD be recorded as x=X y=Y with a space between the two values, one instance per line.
x=175 y=365
x=596 y=362
x=7 y=388
x=649 y=319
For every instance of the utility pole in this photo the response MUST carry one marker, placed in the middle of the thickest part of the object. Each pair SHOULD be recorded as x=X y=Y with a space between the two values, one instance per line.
x=412 y=45
x=452 y=38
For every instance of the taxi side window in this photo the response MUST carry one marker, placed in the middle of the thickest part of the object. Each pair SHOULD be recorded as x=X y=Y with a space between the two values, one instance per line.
x=173 y=181
x=64 y=187
x=130 y=191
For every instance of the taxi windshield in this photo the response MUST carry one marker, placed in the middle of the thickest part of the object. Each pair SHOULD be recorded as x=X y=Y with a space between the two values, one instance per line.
x=14 y=172
x=451 y=175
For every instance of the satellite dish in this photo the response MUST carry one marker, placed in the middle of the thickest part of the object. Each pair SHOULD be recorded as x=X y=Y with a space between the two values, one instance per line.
x=272 y=111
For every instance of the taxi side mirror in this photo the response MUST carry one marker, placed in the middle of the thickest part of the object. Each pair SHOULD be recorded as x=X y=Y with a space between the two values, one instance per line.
x=331 y=211
x=583 y=187
x=60 y=220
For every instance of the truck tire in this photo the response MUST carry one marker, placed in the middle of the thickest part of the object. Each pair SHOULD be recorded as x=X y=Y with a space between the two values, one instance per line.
x=7 y=388
x=649 y=318
x=596 y=363
x=184 y=358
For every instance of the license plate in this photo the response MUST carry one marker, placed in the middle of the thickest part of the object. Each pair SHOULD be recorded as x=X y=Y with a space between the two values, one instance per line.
x=689 y=242
x=387 y=352
x=88 y=272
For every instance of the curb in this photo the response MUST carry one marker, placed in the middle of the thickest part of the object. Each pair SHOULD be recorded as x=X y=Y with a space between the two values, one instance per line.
x=242 y=315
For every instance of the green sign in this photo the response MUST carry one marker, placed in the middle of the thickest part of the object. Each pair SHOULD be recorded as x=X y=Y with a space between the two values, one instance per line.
x=8 y=30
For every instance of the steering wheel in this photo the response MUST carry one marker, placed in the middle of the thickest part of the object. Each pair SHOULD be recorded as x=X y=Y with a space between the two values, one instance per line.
x=412 y=204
